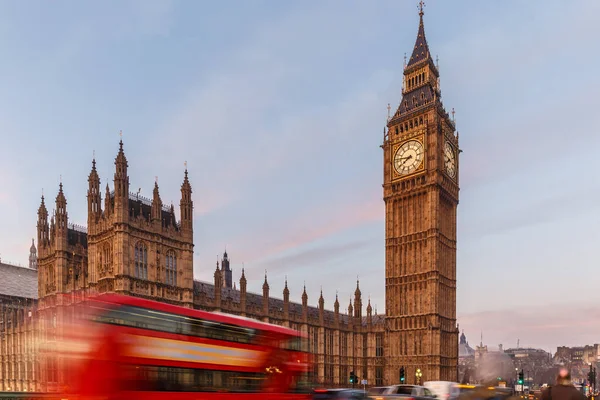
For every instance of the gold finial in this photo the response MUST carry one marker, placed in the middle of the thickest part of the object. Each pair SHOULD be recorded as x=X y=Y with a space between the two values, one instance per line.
x=421 y=5
x=60 y=178
x=94 y=154
x=453 y=118
x=389 y=108
x=156 y=180
x=404 y=65
x=121 y=134
x=185 y=164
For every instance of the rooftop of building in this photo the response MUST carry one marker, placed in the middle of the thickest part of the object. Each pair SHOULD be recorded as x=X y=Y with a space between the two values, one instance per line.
x=18 y=281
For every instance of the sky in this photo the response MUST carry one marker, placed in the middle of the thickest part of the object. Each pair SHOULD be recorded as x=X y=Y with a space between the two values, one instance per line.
x=278 y=109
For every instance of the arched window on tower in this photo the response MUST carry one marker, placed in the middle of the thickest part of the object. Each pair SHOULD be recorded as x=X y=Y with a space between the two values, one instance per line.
x=51 y=275
x=171 y=268
x=106 y=258
x=141 y=261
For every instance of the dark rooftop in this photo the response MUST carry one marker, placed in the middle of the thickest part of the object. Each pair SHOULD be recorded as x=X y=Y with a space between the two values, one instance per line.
x=18 y=281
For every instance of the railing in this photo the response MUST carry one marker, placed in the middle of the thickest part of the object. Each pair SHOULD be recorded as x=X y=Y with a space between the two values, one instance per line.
x=14 y=264
x=144 y=200
x=77 y=228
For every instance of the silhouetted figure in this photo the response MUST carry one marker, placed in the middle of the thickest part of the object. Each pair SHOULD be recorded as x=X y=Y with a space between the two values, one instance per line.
x=564 y=389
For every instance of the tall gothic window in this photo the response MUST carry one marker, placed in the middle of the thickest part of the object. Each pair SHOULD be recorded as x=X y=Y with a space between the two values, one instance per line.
x=378 y=376
x=141 y=261
x=171 y=268
x=51 y=275
x=379 y=344
x=99 y=266
x=107 y=258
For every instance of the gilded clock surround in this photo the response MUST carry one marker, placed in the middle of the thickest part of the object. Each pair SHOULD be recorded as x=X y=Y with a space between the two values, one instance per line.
x=420 y=138
x=449 y=160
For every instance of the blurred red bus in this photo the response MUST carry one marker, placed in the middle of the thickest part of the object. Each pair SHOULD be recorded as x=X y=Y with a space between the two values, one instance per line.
x=142 y=349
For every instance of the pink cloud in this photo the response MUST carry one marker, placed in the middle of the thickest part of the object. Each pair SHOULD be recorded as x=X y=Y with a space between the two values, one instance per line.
x=319 y=223
x=210 y=201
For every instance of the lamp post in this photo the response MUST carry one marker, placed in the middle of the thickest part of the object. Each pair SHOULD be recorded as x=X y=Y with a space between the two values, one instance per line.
x=418 y=375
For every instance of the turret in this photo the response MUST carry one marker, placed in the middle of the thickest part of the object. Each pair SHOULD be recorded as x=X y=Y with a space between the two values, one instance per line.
x=218 y=287
x=266 y=297
x=350 y=311
x=186 y=207
x=226 y=270
x=336 y=310
x=94 y=198
x=369 y=313
x=321 y=308
x=121 y=182
x=32 y=255
x=156 y=212
x=243 y=292
x=107 y=205
x=286 y=301
x=304 y=305
x=43 y=230
x=62 y=220
x=52 y=230
x=357 y=302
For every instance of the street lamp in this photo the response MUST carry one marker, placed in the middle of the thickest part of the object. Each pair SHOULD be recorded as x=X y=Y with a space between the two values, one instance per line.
x=418 y=375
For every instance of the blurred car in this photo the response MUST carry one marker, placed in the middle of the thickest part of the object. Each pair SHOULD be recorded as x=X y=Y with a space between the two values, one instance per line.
x=414 y=392
x=444 y=390
x=339 y=394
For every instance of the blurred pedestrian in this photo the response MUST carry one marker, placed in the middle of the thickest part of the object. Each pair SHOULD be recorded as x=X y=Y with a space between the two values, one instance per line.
x=564 y=389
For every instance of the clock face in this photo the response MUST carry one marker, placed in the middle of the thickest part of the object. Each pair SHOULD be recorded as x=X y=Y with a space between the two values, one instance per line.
x=408 y=157
x=449 y=160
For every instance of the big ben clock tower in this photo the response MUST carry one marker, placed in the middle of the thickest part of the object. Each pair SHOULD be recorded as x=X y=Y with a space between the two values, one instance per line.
x=420 y=191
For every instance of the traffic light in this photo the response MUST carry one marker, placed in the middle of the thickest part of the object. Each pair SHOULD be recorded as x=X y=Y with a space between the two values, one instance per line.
x=402 y=378
x=353 y=378
x=521 y=375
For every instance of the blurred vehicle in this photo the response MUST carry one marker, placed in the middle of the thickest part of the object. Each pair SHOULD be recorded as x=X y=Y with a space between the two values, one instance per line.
x=480 y=392
x=410 y=391
x=339 y=394
x=142 y=349
x=444 y=390
x=376 y=390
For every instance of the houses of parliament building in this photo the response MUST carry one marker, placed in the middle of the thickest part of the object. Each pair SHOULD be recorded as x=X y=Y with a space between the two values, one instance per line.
x=139 y=247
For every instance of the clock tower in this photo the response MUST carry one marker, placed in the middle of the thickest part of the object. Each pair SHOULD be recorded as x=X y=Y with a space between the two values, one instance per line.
x=420 y=191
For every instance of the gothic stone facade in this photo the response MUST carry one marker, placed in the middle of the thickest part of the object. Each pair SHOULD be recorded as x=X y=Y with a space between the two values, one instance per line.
x=19 y=364
x=135 y=246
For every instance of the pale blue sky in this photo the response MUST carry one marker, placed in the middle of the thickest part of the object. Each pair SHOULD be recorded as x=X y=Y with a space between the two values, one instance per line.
x=279 y=107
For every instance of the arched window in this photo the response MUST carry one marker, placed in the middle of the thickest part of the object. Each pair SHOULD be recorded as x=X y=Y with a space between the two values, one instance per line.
x=171 y=268
x=99 y=264
x=51 y=274
x=106 y=258
x=141 y=261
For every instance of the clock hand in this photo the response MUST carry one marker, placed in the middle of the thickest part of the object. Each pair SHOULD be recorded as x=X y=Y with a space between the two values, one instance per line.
x=406 y=159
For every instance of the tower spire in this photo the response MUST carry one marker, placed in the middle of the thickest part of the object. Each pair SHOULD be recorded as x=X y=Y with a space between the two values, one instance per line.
x=421 y=49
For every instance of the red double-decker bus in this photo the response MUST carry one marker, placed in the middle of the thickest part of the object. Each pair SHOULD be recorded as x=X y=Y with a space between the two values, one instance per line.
x=131 y=348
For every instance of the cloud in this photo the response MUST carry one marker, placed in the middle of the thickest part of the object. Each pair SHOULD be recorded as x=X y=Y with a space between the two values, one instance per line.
x=314 y=256
x=547 y=326
x=548 y=208
x=314 y=224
